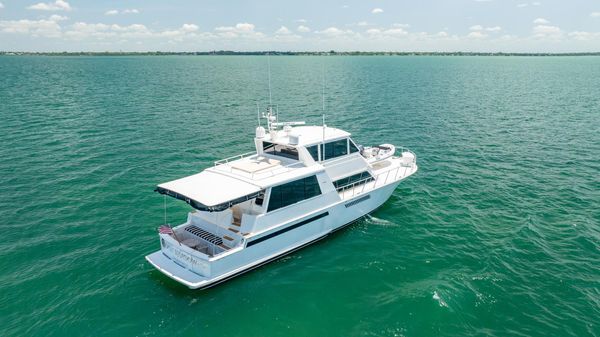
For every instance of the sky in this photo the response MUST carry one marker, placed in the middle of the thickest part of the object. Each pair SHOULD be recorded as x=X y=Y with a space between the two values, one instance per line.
x=307 y=25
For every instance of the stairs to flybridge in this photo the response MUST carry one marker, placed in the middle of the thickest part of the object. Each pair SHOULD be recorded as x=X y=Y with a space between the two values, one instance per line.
x=235 y=225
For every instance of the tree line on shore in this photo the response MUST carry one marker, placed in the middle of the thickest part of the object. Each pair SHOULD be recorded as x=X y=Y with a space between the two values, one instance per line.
x=294 y=53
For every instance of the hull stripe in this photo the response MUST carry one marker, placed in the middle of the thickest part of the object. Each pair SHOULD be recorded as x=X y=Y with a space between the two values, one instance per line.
x=281 y=231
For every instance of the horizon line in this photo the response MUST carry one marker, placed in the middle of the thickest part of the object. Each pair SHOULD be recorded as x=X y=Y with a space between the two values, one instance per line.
x=299 y=53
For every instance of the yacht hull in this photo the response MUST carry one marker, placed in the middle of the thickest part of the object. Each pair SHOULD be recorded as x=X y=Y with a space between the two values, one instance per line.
x=273 y=245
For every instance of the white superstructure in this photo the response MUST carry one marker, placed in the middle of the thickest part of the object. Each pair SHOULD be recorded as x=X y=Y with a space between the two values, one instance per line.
x=301 y=183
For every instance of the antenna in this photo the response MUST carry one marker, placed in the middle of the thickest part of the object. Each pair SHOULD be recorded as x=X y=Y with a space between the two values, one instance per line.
x=269 y=66
x=323 y=95
x=272 y=112
x=323 y=84
x=258 y=113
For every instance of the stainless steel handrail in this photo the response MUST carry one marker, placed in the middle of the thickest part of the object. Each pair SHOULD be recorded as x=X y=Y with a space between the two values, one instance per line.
x=377 y=178
x=236 y=157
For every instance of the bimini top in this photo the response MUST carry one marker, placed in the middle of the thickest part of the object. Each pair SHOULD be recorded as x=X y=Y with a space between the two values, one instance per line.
x=210 y=191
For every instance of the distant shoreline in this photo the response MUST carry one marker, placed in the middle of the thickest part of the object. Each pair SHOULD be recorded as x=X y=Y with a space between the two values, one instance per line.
x=289 y=53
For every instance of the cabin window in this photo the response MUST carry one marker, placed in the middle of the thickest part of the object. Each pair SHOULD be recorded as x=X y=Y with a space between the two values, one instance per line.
x=314 y=152
x=353 y=147
x=363 y=177
x=293 y=192
x=335 y=149
x=280 y=150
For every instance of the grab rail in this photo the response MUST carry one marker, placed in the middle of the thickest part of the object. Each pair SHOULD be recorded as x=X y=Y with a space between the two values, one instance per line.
x=378 y=178
x=232 y=158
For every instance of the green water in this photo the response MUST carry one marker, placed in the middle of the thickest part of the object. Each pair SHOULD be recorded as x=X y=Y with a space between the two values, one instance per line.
x=498 y=234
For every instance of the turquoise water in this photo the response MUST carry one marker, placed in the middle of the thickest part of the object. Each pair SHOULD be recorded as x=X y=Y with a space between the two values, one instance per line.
x=498 y=233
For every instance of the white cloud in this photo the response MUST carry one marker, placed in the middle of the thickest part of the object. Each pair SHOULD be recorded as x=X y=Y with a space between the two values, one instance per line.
x=476 y=35
x=541 y=21
x=595 y=14
x=331 y=31
x=100 y=31
x=106 y=34
x=334 y=32
x=546 y=31
x=362 y=24
x=58 y=5
x=478 y=28
x=303 y=29
x=377 y=11
x=584 y=36
x=1 y=5
x=189 y=27
x=382 y=33
x=283 y=30
x=240 y=27
x=55 y=17
x=239 y=30
x=34 y=28
x=521 y=5
x=442 y=34
x=125 y=11
x=301 y=21
x=400 y=25
x=395 y=32
x=186 y=31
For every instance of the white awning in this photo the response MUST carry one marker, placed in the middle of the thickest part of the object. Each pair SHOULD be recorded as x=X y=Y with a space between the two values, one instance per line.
x=210 y=191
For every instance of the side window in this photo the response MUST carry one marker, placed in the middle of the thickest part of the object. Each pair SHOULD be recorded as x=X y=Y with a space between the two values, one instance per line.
x=363 y=177
x=340 y=148
x=335 y=149
x=275 y=198
x=311 y=187
x=293 y=192
x=353 y=147
x=314 y=152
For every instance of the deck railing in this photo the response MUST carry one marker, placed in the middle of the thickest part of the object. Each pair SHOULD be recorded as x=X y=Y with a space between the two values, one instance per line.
x=232 y=158
x=378 y=180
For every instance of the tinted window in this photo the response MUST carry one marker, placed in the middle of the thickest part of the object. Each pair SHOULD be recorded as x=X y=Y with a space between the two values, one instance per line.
x=353 y=147
x=335 y=149
x=314 y=152
x=340 y=148
x=280 y=150
x=293 y=192
x=343 y=183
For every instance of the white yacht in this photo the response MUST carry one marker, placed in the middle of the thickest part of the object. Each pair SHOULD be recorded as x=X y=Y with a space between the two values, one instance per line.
x=301 y=184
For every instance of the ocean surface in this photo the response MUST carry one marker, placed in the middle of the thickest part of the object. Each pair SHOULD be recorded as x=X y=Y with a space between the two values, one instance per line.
x=498 y=234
